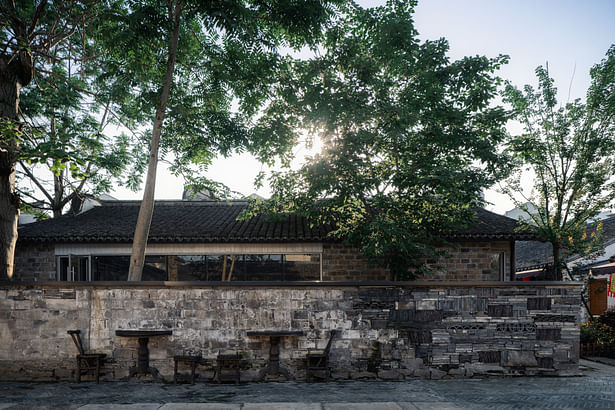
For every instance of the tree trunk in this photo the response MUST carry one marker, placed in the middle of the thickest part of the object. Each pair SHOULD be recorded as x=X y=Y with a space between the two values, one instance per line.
x=13 y=76
x=146 y=210
x=556 y=261
x=58 y=192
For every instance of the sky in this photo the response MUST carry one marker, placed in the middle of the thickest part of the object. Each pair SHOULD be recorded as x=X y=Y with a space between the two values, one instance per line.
x=571 y=36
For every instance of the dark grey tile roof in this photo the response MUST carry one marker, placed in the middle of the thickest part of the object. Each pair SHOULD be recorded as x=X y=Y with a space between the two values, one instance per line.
x=173 y=221
x=490 y=225
x=210 y=221
x=608 y=228
x=533 y=253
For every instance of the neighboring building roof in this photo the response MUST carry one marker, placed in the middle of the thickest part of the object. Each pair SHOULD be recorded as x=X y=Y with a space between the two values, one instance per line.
x=490 y=225
x=517 y=213
x=608 y=228
x=533 y=253
x=211 y=221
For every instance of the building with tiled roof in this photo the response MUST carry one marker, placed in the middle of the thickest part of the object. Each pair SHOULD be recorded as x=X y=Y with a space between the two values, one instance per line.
x=537 y=257
x=205 y=240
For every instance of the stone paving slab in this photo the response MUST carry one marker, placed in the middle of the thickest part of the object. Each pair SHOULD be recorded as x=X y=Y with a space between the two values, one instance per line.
x=362 y=406
x=433 y=406
x=595 y=390
x=51 y=406
x=282 y=406
x=201 y=406
x=136 y=406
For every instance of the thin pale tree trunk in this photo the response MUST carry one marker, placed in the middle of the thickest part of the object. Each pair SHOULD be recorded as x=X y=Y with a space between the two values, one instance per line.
x=146 y=210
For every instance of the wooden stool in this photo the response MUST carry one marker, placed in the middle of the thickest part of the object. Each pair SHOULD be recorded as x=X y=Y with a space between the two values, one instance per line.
x=193 y=360
x=228 y=363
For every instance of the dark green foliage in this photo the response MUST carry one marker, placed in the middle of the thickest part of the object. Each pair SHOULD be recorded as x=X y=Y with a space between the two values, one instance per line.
x=228 y=62
x=60 y=145
x=597 y=332
x=65 y=152
x=409 y=138
x=608 y=319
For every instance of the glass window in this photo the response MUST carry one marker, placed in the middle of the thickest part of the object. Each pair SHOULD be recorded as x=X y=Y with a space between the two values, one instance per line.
x=80 y=268
x=497 y=264
x=155 y=268
x=264 y=267
x=215 y=264
x=63 y=268
x=302 y=267
x=110 y=268
x=115 y=268
x=73 y=268
x=261 y=267
x=191 y=268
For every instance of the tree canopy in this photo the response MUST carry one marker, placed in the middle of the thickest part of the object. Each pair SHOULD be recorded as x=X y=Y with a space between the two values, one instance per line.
x=65 y=152
x=410 y=138
x=203 y=71
x=34 y=37
x=570 y=148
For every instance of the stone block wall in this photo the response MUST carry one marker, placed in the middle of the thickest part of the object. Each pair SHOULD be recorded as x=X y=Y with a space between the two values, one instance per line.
x=35 y=262
x=389 y=331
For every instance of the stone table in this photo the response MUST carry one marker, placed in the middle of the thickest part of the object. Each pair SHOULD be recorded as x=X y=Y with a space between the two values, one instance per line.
x=273 y=364
x=143 y=335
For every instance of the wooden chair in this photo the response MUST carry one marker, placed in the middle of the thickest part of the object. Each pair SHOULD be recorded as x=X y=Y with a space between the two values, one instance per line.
x=317 y=362
x=86 y=361
x=228 y=366
x=193 y=360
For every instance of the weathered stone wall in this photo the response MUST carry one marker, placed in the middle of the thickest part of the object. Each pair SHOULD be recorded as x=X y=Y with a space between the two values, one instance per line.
x=387 y=330
x=35 y=262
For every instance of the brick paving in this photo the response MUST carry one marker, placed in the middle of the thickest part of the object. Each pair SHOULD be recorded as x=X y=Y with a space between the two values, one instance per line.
x=595 y=389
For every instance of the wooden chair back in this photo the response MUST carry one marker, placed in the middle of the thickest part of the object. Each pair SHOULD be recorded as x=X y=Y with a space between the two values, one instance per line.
x=330 y=342
x=76 y=335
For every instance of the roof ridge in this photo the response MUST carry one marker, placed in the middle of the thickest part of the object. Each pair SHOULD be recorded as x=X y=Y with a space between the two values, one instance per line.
x=175 y=202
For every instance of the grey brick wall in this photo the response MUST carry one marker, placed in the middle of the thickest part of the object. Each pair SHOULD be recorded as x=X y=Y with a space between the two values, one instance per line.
x=341 y=262
x=394 y=331
x=35 y=262
x=469 y=261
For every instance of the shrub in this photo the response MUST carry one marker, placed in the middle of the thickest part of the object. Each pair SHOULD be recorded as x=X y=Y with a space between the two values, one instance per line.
x=596 y=332
x=608 y=319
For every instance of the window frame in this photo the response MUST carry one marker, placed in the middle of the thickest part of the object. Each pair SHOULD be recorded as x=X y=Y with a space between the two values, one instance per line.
x=71 y=273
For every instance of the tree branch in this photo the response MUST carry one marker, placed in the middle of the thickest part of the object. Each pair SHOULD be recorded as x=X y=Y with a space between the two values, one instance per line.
x=36 y=182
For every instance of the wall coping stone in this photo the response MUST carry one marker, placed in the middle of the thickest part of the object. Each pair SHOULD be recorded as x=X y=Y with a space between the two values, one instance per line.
x=270 y=284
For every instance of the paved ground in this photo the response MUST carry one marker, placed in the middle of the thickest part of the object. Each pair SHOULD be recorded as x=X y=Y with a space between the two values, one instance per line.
x=594 y=390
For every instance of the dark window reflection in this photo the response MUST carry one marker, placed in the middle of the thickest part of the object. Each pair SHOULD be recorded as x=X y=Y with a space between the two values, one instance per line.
x=115 y=268
x=260 y=267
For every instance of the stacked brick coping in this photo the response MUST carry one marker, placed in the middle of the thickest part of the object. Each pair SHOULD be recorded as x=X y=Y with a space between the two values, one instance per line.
x=391 y=331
